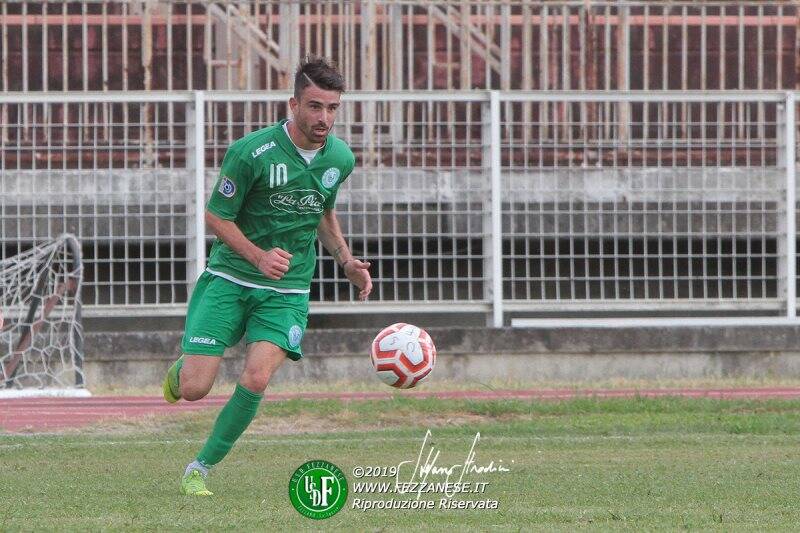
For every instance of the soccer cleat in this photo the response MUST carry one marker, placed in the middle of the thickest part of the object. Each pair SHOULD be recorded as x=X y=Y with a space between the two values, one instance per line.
x=194 y=484
x=171 y=388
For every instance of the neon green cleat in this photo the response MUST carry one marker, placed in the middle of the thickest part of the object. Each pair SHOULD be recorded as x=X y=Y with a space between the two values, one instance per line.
x=171 y=388
x=194 y=484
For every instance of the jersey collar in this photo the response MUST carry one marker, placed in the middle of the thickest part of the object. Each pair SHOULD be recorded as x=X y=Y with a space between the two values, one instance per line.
x=289 y=147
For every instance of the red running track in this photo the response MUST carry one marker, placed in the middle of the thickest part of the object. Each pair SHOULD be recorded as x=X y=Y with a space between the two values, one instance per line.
x=49 y=414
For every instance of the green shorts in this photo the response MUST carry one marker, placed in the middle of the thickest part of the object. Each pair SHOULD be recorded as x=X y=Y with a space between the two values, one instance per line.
x=221 y=312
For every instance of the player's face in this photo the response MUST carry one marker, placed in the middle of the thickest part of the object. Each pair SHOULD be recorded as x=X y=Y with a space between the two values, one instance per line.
x=315 y=112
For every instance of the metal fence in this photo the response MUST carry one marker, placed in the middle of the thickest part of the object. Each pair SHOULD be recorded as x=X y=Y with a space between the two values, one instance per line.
x=86 y=45
x=484 y=201
x=93 y=169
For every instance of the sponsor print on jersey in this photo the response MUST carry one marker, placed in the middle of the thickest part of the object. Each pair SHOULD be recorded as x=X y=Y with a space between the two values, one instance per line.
x=295 y=334
x=263 y=148
x=330 y=177
x=298 y=201
x=227 y=187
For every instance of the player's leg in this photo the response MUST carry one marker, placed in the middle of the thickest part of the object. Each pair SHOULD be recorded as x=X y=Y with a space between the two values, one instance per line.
x=192 y=376
x=263 y=359
x=275 y=328
x=214 y=321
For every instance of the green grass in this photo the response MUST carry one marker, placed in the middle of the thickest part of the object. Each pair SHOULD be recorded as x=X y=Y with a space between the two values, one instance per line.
x=636 y=464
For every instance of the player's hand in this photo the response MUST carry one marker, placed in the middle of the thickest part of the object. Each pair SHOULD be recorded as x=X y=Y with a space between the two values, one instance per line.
x=274 y=263
x=358 y=274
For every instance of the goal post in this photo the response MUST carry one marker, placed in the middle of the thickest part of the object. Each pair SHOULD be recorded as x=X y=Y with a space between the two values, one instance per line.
x=41 y=337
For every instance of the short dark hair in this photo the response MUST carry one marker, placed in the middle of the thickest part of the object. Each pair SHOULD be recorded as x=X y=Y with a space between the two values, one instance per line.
x=317 y=70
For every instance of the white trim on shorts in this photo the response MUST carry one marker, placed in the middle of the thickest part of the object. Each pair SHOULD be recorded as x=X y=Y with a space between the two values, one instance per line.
x=237 y=281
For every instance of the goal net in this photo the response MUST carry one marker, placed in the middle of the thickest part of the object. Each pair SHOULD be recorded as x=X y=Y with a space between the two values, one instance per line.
x=41 y=337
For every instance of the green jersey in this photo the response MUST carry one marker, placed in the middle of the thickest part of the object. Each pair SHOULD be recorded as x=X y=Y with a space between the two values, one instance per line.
x=277 y=200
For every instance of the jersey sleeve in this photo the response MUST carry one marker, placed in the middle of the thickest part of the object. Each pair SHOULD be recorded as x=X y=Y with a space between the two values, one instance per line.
x=330 y=203
x=235 y=179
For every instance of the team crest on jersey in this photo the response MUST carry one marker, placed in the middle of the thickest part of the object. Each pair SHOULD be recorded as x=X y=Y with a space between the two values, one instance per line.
x=330 y=177
x=295 y=334
x=227 y=187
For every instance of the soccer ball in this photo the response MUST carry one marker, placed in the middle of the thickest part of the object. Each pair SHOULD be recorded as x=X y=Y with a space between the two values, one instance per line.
x=403 y=355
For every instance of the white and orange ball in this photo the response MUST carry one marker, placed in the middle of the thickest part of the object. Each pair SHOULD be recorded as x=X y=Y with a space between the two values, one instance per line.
x=403 y=355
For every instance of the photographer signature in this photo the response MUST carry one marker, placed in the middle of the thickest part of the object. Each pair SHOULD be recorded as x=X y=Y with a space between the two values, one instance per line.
x=423 y=468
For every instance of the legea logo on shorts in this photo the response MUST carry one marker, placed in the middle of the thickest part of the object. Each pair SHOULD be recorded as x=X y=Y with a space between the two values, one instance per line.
x=203 y=340
x=298 y=201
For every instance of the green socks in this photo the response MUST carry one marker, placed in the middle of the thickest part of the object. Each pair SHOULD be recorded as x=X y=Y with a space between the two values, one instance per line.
x=231 y=423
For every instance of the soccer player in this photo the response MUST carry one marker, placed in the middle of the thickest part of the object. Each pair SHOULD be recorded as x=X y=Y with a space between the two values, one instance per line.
x=275 y=195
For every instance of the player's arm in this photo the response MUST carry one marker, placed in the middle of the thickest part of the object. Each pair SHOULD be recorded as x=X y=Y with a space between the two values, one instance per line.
x=330 y=235
x=236 y=176
x=272 y=263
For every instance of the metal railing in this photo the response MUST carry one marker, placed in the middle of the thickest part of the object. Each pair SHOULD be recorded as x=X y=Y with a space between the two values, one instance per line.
x=89 y=45
x=482 y=201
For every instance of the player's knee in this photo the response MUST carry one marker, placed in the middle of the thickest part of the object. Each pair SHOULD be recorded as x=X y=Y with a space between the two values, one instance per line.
x=254 y=380
x=193 y=391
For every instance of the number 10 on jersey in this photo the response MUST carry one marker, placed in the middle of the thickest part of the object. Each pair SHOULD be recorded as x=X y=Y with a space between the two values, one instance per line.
x=277 y=175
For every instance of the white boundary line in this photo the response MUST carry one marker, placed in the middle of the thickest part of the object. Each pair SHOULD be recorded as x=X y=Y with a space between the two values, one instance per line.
x=668 y=322
x=39 y=439
x=44 y=393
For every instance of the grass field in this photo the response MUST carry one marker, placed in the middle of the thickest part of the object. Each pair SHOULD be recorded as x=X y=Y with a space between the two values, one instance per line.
x=437 y=385
x=599 y=464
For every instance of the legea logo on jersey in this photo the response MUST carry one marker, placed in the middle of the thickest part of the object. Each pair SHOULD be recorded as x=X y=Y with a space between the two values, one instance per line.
x=298 y=201
x=263 y=148
x=330 y=177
